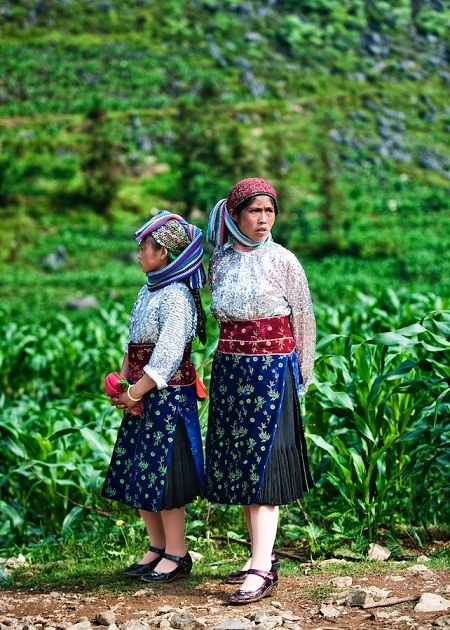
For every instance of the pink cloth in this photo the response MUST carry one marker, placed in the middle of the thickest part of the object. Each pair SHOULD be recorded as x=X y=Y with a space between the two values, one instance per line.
x=116 y=383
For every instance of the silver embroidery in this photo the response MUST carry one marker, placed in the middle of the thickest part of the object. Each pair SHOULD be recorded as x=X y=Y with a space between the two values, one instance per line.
x=167 y=318
x=265 y=282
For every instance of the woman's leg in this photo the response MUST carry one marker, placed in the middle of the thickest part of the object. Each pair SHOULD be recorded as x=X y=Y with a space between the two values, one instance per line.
x=263 y=527
x=248 y=520
x=175 y=543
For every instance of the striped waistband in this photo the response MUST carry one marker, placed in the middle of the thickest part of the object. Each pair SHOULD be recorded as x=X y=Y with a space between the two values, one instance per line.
x=272 y=335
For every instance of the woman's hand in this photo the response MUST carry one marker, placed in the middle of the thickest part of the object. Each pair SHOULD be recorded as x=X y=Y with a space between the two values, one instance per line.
x=123 y=401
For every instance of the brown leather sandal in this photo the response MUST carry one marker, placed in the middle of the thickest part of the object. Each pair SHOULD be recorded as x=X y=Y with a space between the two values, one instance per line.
x=268 y=586
x=238 y=577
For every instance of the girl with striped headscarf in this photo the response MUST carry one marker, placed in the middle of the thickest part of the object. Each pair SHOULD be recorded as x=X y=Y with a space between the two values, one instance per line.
x=157 y=462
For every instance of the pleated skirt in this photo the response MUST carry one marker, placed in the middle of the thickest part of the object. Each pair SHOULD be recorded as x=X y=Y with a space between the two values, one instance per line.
x=181 y=486
x=287 y=475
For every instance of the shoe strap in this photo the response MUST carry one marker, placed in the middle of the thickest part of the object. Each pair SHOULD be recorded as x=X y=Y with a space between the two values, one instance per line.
x=267 y=575
x=160 y=552
x=183 y=561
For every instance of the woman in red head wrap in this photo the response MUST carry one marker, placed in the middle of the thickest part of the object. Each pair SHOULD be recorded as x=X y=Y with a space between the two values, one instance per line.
x=255 y=444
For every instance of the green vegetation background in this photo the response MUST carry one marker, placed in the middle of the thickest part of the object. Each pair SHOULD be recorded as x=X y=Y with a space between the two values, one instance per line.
x=110 y=111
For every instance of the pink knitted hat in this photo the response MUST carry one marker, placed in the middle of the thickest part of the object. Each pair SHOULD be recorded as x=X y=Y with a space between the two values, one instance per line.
x=250 y=187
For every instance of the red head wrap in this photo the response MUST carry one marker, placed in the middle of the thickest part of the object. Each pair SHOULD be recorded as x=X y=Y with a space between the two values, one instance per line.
x=250 y=187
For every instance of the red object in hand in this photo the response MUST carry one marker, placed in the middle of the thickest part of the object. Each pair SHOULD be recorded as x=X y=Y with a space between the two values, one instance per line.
x=116 y=383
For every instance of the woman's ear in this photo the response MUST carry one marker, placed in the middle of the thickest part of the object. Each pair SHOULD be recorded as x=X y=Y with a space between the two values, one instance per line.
x=164 y=252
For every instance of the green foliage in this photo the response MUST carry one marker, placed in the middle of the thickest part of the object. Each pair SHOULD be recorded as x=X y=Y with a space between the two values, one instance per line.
x=127 y=108
x=329 y=26
x=376 y=416
x=372 y=396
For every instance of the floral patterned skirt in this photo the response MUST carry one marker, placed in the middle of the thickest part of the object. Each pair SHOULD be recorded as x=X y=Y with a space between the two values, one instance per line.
x=157 y=461
x=255 y=443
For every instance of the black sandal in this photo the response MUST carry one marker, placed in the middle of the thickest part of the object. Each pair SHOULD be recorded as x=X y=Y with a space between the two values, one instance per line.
x=137 y=570
x=184 y=567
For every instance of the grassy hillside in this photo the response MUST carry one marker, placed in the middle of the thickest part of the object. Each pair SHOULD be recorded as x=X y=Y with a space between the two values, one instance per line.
x=112 y=110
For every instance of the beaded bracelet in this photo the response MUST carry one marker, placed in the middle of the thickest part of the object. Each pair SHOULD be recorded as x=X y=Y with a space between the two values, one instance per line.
x=130 y=396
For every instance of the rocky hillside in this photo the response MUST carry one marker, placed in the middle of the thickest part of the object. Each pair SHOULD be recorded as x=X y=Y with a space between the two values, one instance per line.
x=123 y=106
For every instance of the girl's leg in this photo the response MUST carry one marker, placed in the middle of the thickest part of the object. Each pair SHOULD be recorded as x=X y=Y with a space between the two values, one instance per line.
x=175 y=543
x=155 y=529
x=264 y=523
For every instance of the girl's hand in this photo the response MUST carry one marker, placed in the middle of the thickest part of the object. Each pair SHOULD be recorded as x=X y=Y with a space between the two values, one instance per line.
x=123 y=401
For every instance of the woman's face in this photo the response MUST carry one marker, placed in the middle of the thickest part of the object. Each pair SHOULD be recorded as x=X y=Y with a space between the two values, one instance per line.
x=256 y=220
x=150 y=258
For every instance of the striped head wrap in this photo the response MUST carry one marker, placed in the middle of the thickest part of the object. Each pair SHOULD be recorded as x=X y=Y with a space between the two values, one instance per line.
x=221 y=226
x=184 y=241
x=173 y=237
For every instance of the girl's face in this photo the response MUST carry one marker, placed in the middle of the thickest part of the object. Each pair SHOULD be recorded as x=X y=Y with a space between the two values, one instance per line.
x=256 y=220
x=150 y=258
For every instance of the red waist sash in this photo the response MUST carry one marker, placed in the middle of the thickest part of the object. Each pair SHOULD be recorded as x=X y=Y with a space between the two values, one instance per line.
x=139 y=355
x=272 y=335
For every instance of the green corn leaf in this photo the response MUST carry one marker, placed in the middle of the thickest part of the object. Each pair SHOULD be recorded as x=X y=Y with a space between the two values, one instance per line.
x=363 y=427
x=70 y=520
x=13 y=515
x=62 y=433
x=97 y=446
x=358 y=465
x=402 y=369
x=337 y=399
x=327 y=340
x=414 y=329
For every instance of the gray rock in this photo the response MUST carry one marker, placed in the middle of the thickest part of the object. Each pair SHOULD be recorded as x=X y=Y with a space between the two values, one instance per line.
x=56 y=260
x=420 y=570
x=144 y=591
x=88 y=301
x=342 y=582
x=442 y=622
x=81 y=625
x=106 y=618
x=239 y=623
x=329 y=611
x=430 y=602
x=134 y=624
x=366 y=595
x=181 y=620
x=264 y=613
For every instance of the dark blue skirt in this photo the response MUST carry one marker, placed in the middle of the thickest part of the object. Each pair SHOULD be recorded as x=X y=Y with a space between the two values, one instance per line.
x=255 y=444
x=157 y=461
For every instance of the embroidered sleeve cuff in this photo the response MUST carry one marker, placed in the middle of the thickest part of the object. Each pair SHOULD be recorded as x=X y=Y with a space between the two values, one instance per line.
x=160 y=382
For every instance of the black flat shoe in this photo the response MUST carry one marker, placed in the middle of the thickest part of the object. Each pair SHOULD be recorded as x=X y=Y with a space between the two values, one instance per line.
x=184 y=567
x=137 y=570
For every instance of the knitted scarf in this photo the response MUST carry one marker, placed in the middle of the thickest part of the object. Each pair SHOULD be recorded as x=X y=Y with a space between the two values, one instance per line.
x=221 y=226
x=187 y=265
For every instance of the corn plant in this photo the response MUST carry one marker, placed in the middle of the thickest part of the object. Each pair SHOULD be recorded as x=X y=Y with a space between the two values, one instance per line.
x=368 y=399
x=376 y=416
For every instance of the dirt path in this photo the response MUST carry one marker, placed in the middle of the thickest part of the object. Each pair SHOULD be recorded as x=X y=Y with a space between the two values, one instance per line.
x=207 y=602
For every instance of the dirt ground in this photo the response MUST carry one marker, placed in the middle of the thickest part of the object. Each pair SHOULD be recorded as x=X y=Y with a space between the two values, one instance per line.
x=207 y=601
